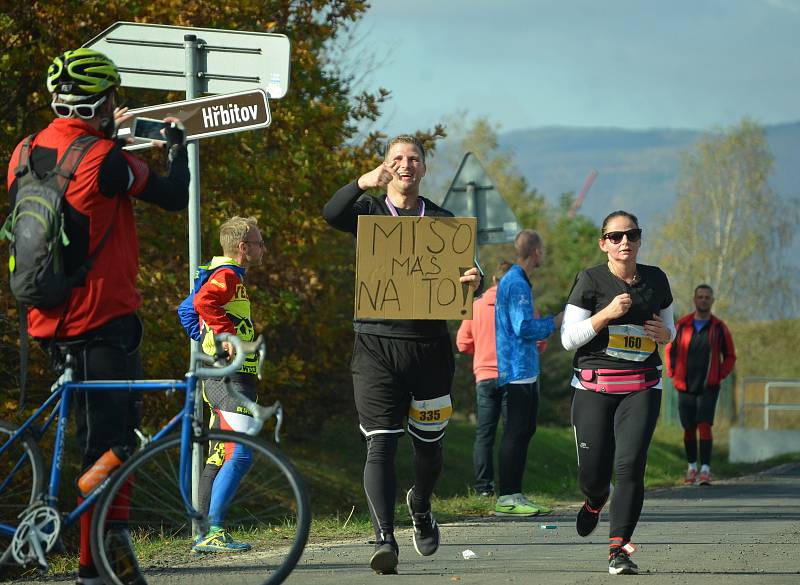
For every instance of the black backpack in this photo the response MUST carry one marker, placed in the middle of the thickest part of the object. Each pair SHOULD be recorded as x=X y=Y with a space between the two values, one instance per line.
x=35 y=229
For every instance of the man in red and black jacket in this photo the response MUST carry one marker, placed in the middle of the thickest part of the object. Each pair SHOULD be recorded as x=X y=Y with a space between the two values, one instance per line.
x=98 y=322
x=701 y=356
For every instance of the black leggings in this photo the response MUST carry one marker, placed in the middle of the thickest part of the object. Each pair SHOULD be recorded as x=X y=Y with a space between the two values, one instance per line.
x=519 y=426
x=105 y=418
x=380 y=479
x=612 y=434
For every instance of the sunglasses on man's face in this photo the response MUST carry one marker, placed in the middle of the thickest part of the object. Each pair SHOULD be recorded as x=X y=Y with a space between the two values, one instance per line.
x=85 y=111
x=634 y=235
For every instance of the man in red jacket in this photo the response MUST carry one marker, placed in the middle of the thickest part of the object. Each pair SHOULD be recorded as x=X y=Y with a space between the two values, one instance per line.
x=98 y=323
x=701 y=356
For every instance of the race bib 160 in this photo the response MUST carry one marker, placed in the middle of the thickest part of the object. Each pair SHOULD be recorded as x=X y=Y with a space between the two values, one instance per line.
x=629 y=342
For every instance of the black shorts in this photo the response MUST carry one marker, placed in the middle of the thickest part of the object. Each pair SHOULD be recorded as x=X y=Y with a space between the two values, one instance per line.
x=217 y=397
x=697 y=408
x=396 y=378
x=227 y=413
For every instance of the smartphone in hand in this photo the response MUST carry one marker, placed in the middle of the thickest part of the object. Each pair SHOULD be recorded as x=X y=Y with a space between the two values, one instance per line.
x=149 y=128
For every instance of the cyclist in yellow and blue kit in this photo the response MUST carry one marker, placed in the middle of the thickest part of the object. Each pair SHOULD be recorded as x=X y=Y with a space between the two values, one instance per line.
x=224 y=307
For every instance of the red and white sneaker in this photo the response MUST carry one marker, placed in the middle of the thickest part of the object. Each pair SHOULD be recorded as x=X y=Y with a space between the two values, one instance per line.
x=705 y=477
x=691 y=476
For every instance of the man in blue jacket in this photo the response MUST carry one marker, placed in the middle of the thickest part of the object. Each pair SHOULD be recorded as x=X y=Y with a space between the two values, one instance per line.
x=517 y=332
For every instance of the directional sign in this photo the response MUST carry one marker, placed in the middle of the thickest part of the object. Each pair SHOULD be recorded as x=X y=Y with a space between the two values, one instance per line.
x=208 y=116
x=153 y=56
x=472 y=194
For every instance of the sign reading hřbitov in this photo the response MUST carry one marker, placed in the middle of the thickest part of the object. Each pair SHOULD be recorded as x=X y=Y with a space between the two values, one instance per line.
x=208 y=116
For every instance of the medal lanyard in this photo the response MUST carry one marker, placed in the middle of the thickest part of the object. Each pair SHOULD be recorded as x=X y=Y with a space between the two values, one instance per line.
x=394 y=211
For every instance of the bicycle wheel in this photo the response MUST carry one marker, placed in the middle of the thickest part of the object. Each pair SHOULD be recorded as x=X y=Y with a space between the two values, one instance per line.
x=22 y=482
x=269 y=511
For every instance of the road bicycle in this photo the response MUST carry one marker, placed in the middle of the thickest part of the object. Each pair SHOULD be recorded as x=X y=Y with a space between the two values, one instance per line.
x=145 y=523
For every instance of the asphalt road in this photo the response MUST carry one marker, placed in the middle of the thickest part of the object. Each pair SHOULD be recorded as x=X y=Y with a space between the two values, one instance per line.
x=745 y=530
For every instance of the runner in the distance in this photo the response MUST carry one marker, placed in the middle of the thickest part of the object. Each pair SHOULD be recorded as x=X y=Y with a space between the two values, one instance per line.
x=616 y=315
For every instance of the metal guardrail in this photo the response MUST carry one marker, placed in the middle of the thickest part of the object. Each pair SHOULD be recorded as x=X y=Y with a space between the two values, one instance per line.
x=769 y=384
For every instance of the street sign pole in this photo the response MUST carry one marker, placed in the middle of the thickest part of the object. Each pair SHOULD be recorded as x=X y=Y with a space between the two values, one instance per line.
x=479 y=207
x=193 y=152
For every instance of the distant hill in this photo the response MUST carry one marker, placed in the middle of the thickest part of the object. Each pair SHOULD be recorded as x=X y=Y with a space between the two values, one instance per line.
x=637 y=169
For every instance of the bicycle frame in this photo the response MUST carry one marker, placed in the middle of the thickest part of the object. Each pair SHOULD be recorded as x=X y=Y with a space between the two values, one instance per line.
x=60 y=400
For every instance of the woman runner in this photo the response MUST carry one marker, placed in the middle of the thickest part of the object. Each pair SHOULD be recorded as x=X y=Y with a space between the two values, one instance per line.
x=616 y=315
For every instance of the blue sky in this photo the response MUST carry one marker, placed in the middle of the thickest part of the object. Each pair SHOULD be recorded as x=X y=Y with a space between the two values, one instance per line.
x=621 y=63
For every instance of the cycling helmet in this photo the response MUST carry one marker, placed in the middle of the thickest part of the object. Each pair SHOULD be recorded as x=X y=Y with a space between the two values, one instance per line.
x=81 y=74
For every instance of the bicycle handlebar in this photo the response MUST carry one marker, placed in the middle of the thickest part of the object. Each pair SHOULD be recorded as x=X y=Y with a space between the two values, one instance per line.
x=241 y=349
x=224 y=371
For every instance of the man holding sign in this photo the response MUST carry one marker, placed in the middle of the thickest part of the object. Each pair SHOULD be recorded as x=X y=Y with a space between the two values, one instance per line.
x=401 y=368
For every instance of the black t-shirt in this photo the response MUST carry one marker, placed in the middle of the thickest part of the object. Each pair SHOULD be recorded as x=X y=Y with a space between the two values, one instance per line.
x=342 y=212
x=595 y=288
x=698 y=357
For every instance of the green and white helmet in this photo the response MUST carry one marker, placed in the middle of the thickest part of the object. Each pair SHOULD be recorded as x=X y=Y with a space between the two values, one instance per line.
x=78 y=75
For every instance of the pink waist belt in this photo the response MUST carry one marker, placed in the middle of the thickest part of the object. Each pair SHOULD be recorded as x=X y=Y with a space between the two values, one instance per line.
x=612 y=381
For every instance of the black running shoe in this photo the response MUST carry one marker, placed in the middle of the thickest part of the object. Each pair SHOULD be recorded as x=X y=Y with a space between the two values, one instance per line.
x=384 y=559
x=587 y=519
x=620 y=563
x=426 y=530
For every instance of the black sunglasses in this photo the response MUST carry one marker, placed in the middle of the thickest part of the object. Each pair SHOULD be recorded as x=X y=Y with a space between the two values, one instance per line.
x=634 y=235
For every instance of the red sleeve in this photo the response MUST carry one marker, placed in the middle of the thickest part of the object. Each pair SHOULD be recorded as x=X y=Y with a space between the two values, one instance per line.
x=140 y=172
x=464 y=340
x=12 y=166
x=668 y=356
x=728 y=353
x=210 y=300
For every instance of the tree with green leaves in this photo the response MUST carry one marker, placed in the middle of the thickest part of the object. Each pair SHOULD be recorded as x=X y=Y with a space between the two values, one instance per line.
x=729 y=229
x=281 y=175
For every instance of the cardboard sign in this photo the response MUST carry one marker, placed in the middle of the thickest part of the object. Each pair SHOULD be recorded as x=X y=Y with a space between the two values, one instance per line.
x=409 y=267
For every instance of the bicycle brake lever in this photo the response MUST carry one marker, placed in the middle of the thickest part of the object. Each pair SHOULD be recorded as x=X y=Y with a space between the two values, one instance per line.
x=262 y=356
x=278 y=421
x=263 y=414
